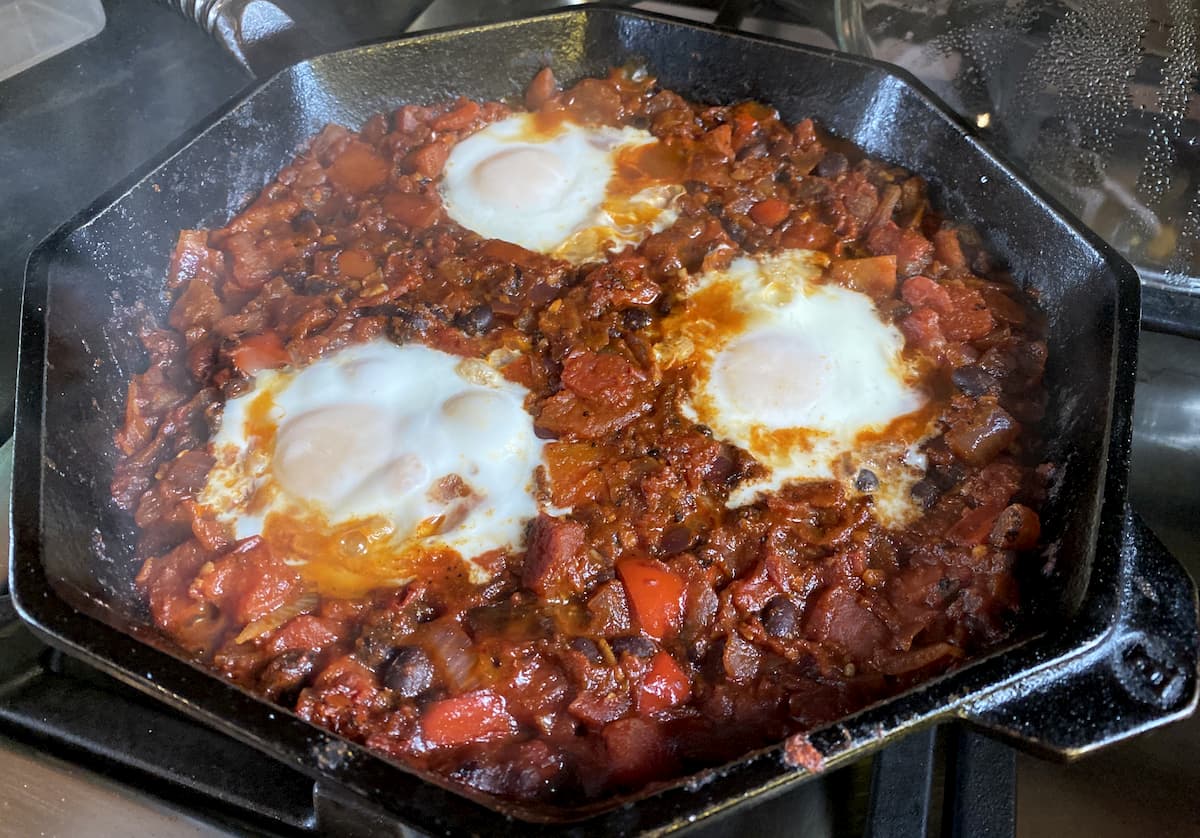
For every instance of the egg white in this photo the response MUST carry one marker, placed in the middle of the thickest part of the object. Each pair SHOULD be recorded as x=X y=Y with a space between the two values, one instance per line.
x=804 y=376
x=436 y=449
x=548 y=191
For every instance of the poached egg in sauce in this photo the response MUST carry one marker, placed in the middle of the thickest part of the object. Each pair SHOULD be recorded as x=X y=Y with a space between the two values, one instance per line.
x=803 y=375
x=377 y=457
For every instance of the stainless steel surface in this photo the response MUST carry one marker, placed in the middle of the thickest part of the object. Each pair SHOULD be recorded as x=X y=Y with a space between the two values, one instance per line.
x=45 y=796
x=1148 y=786
x=5 y=512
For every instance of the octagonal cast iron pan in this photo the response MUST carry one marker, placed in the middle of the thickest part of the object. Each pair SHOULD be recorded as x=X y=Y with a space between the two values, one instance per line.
x=1110 y=646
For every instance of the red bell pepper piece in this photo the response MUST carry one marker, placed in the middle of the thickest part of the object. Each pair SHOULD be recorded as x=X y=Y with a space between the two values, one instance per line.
x=655 y=594
x=770 y=213
x=664 y=685
x=477 y=716
x=260 y=352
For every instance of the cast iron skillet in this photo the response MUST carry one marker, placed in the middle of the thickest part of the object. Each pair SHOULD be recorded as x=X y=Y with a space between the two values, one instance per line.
x=1111 y=645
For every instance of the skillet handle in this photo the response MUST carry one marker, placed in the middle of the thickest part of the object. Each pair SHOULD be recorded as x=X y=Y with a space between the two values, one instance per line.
x=1140 y=675
x=259 y=35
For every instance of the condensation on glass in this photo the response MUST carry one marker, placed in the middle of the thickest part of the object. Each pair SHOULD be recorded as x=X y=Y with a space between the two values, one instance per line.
x=1099 y=100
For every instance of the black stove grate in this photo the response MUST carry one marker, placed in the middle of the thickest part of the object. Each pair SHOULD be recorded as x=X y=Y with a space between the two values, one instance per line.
x=941 y=781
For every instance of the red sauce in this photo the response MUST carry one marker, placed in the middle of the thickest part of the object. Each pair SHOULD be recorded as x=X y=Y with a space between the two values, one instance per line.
x=651 y=631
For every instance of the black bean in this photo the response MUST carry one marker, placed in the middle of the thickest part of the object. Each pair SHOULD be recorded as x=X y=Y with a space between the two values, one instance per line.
x=475 y=321
x=376 y=644
x=542 y=293
x=973 y=380
x=544 y=433
x=410 y=672
x=927 y=492
x=866 y=481
x=833 y=164
x=416 y=319
x=780 y=617
x=314 y=285
x=676 y=540
x=713 y=664
x=509 y=281
x=638 y=646
x=754 y=152
x=235 y=387
x=287 y=673
x=810 y=189
x=588 y=648
x=635 y=318
x=946 y=477
x=721 y=468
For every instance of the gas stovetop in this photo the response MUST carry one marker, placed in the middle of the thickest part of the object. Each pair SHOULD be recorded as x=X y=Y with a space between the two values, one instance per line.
x=81 y=753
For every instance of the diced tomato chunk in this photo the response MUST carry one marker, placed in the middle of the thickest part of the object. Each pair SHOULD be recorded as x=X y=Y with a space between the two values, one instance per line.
x=980 y=435
x=638 y=751
x=913 y=253
x=969 y=317
x=948 y=250
x=428 y=160
x=974 y=526
x=664 y=685
x=355 y=264
x=556 y=563
x=922 y=330
x=1017 y=527
x=541 y=89
x=601 y=375
x=921 y=291
x=260 y=352
x=464 y=113
x=655 y=594
x=479 y=716
x=248 y=583
x=575 y=475
x=358 y=168
x=744 y=126
x=769 y=213
x=874 y=276
x=810 y=235
x=419 y=211
x=306 y=632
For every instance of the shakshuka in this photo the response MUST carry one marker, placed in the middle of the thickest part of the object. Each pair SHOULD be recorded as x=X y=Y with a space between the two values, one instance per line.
x=564 y=445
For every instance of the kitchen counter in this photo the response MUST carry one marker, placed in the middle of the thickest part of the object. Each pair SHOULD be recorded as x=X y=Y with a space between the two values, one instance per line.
x=79 y=123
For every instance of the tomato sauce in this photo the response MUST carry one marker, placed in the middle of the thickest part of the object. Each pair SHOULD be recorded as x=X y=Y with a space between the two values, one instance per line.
x=651 y=631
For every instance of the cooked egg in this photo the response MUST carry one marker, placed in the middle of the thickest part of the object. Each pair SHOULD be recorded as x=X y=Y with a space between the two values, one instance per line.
x=568 y=190
x=374 y=459
x=804 y=376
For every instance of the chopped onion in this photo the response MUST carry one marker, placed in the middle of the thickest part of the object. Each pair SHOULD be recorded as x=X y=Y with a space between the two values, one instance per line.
x=478 y=372
x=302 y=604
x=450 y=648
